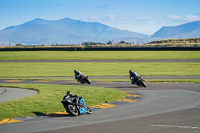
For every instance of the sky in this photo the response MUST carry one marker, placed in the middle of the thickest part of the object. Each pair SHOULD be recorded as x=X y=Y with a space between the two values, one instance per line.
x=142 y=16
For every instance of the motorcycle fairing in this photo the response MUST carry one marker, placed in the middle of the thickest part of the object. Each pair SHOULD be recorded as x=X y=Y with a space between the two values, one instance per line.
x=83 y=109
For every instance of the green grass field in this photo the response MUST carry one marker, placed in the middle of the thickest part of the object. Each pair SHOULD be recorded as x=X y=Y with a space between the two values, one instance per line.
x=49 y=99
x=96 y=69
x=97 y=55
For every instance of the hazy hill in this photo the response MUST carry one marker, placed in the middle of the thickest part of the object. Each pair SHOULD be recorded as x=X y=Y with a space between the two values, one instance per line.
x=64 y=31
x=188 y=30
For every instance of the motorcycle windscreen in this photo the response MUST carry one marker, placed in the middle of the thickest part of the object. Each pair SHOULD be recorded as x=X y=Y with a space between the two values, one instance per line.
x=82 y=101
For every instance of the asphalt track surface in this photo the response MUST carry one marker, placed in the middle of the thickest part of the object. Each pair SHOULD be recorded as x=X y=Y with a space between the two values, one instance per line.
x=8 y=94
x=163 y=108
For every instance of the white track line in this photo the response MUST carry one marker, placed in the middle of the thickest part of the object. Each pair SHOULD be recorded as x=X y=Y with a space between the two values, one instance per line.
x=176 y=126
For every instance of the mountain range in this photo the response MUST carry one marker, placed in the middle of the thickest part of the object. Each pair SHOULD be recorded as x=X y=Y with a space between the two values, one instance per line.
x=188 y=30
x=69 y=31
x=63 y=31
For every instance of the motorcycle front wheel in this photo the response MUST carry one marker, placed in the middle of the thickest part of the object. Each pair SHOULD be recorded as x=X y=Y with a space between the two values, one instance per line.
x=89 y=111
x=142 y=83
x=88 y=81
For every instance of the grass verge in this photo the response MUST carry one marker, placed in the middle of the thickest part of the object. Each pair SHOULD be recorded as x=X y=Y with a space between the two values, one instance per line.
x=49 y=99
x=96 y=69
x=97 y=55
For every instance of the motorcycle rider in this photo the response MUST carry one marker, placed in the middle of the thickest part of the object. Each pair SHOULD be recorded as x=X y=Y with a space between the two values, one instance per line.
x=75 y=98
x=133 y=76
x=78 y=75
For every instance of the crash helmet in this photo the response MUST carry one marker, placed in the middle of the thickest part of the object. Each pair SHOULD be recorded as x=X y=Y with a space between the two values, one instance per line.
x=69 y=93
x=75 y=71
x=130 y=71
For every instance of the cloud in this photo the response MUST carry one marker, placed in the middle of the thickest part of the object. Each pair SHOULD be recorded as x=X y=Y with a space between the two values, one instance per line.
x=174 y=17
x=112 y=18
x=118 y=18
x=183 y=18
x=192 y=17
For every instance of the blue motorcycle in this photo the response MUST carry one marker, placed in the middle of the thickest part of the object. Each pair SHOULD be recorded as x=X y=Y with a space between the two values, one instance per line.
x=75 y=108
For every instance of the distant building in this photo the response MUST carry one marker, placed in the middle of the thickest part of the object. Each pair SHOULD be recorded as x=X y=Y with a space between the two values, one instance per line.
x=19 y=44
x=109 y=42
x=123 y=42
x=92 y=43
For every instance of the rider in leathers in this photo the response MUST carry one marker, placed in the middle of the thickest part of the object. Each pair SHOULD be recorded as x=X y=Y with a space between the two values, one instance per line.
x=78 y=75
x=133 y=76
x=75 y=98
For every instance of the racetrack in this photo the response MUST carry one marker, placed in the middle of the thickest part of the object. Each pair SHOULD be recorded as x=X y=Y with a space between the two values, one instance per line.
x=163 y=108
x=8 y=94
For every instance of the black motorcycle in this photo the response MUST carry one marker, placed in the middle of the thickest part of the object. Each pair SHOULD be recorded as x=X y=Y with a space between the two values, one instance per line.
x=74 y=108
x=84 y=79
x=138 y=80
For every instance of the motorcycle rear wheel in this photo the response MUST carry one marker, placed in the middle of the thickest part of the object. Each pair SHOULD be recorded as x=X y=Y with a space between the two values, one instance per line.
x=72 y=110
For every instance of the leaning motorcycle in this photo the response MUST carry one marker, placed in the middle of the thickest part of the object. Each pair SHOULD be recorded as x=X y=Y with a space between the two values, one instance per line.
x=84 y=79
x=74 y=108
x=139 y=81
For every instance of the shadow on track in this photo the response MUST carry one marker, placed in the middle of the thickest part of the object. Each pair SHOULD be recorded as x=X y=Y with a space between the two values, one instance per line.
x=57 y=114
x=135 y=87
